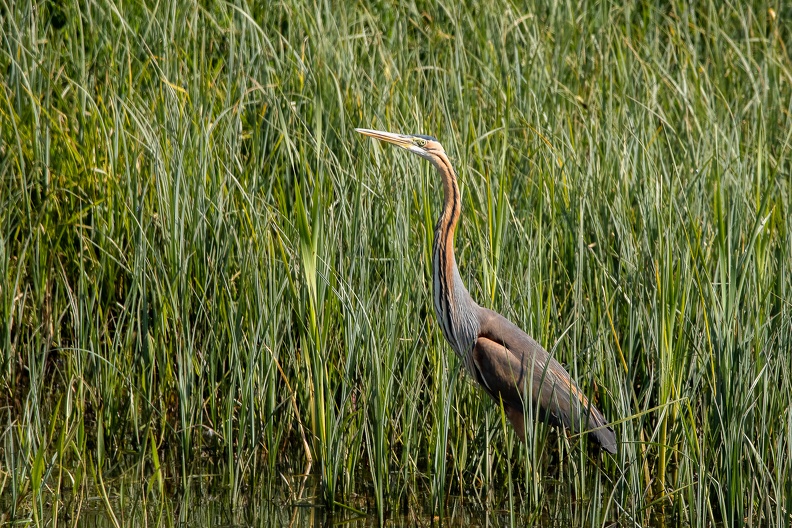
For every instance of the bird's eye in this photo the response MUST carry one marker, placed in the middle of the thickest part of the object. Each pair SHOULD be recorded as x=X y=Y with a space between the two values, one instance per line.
x=420 y=142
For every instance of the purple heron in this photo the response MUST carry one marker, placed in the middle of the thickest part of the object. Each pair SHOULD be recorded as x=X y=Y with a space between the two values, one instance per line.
x=507 y=363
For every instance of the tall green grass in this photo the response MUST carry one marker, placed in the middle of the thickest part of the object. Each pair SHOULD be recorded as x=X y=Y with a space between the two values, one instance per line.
x=210 y=284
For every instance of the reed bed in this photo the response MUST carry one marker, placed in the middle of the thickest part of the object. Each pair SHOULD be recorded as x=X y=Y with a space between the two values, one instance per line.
x=210 y=284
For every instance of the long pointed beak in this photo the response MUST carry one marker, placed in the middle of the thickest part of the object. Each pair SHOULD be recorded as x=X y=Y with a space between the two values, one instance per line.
x=399 y=140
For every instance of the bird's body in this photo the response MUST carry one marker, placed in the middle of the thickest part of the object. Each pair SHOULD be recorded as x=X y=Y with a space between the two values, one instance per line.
x=508 y=364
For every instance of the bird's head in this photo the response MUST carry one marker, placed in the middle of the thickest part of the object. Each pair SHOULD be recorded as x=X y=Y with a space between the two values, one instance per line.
x=425 y=146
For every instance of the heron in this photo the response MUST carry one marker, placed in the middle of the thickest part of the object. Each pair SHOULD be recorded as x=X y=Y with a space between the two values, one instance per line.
x=501 y=358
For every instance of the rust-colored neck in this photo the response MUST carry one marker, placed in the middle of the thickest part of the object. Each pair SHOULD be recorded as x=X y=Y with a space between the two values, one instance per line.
x=453 y=305
x=446 y=224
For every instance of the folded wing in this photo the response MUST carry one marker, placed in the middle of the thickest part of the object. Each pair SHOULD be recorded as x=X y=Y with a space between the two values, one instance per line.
x=510 y=366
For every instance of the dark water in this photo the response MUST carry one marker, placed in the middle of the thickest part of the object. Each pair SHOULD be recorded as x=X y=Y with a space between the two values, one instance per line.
x=209 y=512
x=136 y=505
x=215 y=514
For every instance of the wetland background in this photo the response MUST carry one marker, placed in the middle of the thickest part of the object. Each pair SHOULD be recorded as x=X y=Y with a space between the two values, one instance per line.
x=210 y=285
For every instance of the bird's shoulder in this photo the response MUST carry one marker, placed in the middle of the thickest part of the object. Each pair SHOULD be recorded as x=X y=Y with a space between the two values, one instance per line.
x=497 y=328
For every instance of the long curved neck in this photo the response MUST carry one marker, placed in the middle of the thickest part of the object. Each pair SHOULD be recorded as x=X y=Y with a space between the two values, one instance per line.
x=445 y=267
x=453 y=304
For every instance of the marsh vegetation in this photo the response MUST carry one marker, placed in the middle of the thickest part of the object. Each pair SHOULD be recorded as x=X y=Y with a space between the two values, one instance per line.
x=210 y=284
